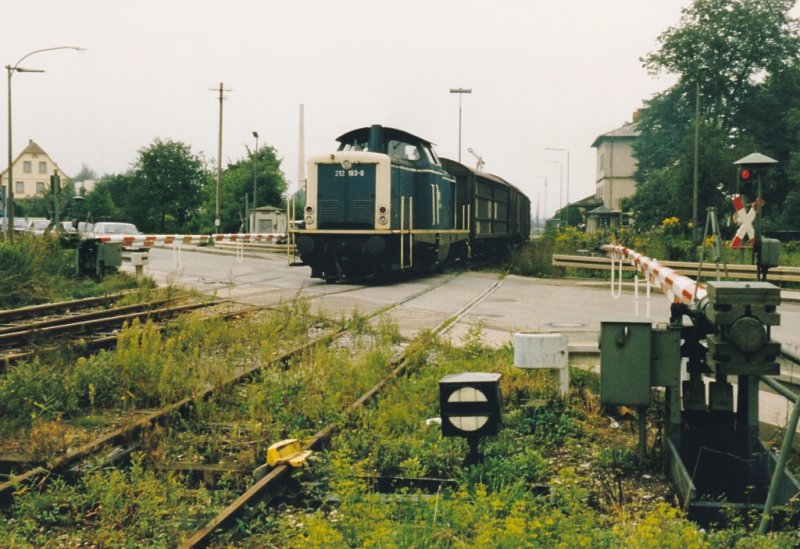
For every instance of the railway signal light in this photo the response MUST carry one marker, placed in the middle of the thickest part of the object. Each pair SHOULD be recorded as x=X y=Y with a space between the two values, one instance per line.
x=746 y=181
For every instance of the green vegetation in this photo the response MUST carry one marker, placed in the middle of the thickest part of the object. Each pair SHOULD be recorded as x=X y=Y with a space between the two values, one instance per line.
x=669 y=241
x=596 y=496
x=40 y=270
x=736 y=64
x=172 y=189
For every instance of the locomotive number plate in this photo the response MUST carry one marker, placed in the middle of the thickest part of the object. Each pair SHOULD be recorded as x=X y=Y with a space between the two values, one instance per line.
x=349 y=173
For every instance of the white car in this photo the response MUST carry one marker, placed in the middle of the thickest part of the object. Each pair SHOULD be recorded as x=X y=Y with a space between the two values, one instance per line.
x=105 y=228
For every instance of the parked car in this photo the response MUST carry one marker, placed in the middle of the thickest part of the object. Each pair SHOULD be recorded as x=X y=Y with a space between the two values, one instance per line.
x=104 y=228
x=113 y=227
x=20 y=224
x=38 y=226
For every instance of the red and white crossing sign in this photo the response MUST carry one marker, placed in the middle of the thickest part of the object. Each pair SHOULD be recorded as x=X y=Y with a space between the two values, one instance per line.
x=745 y=219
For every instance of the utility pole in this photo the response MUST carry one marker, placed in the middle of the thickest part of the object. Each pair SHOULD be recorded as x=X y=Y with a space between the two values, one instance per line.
x=221 y=91
x=301 y=152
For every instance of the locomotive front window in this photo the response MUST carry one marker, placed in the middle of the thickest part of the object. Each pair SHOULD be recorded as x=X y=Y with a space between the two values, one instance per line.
x=356 y=145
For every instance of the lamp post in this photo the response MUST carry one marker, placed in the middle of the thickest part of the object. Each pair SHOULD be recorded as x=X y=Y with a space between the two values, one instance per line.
x=696 y=171
x=560 y=187
x=255 y=177
x=460 y=92
x=11 y=70
x=567 y=193
x=544 y=206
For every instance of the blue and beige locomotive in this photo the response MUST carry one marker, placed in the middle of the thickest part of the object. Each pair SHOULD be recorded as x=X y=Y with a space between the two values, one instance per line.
x=384 y=202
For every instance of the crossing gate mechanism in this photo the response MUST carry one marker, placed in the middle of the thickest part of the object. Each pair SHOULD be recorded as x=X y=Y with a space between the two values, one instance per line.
x=714 y=453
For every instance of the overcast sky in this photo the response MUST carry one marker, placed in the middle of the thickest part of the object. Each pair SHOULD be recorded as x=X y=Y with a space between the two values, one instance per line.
x=543 y=74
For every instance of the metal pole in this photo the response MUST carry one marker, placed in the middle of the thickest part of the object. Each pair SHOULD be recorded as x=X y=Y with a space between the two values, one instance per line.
x=10 y=192
x=460 y=92
x=255 y=170
x=696 y=169
x=780 y=466
x=11 y=70
x=560 y=187
x=459 y=128
x=219 y=162
x=567 y=193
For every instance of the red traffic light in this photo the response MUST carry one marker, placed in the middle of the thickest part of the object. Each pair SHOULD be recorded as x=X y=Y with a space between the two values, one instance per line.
x=745 y=174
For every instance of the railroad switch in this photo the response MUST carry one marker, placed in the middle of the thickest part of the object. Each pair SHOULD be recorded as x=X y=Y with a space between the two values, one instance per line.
x=287 y=451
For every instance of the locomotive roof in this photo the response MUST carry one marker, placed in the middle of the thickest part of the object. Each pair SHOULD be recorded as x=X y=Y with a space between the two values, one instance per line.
x=362 y=134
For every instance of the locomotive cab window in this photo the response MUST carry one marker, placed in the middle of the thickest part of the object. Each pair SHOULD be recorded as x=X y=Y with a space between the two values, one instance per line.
x=400 y=150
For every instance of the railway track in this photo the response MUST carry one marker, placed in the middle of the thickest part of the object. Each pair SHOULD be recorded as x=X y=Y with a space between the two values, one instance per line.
x=129 y=434
x=11 y=317
x=277 y=475
x=95 y=329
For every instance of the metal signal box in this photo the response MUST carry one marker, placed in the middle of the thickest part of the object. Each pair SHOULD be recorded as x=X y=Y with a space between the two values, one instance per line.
x=666 y=357
x=625 y=357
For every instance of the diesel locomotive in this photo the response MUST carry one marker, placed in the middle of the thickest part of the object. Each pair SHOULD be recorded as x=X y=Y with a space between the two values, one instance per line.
x=384 y=202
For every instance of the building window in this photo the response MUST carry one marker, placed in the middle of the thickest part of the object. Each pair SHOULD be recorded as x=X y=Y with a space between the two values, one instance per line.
x=19 y=187
x=26 y=167
x=40 y=186
x=42 y=167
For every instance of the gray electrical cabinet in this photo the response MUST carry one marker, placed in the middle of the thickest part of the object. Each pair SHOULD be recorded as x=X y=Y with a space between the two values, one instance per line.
x=625 y=356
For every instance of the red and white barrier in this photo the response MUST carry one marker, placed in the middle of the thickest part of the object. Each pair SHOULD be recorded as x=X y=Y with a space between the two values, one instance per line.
x=153 y=239
x=248 y=237
x=147 y=240
x=677 y=287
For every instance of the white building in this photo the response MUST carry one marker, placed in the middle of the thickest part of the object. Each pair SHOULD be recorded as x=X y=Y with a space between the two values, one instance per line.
x=32 y=170
x=615 y=165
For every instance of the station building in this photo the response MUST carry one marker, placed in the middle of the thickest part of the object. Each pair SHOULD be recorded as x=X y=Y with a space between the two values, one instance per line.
x=616 y=165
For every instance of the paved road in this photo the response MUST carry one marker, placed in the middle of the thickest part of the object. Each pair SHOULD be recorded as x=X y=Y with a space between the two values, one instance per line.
x=573 y=307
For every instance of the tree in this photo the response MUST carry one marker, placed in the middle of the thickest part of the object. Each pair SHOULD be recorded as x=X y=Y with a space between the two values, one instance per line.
x=236 y=189
x=737 y=41
x=85 y=173
x=744 y=48
x=167 y=180
x=106 y=201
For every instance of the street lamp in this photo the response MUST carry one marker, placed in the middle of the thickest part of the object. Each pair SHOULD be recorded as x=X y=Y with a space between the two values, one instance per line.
x=11 y=70
x=544 y=208
x=255 y=172
x=560 y=186
x=696 y=173
x=566 y=151
x=460 y=92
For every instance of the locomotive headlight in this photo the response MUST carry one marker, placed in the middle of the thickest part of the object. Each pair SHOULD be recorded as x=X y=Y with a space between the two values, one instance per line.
x=346 y=164
x=309 y=209
x=309 y=220
x=382 y=220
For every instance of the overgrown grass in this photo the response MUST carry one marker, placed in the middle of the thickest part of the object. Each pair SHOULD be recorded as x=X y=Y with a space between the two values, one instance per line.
x=39 y=270
x=113 y=508
x=565 y=443
x=545 y=440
